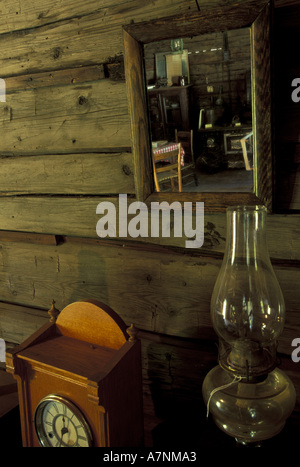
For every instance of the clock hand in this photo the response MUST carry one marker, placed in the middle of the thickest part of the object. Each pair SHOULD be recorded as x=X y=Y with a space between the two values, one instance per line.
x=63 y=431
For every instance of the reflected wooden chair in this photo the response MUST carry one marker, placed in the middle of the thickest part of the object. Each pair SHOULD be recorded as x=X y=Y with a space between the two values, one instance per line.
x=167 y=167
x=185 y=138
x=244 y=148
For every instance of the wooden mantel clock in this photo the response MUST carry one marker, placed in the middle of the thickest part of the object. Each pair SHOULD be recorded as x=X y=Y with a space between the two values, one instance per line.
x=79 y=380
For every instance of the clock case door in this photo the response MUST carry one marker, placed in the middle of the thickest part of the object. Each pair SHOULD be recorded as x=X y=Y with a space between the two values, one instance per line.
x=87 y=357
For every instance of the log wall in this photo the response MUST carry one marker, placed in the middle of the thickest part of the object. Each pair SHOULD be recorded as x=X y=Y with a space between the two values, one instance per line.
x=65 y=146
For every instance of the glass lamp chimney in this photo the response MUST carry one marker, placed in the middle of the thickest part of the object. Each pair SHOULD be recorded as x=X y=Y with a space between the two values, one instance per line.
x=247 y=395
x=247 y=305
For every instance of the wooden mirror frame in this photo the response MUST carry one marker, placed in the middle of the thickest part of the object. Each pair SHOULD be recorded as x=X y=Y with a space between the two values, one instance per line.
x=253 y=14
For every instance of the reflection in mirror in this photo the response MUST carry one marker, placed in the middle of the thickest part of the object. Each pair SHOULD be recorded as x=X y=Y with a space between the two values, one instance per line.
x=253 y=14
x=200 y=88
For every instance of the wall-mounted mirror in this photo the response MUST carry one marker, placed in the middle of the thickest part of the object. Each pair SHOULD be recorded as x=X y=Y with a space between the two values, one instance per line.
x=199 y=94
x=225 y=98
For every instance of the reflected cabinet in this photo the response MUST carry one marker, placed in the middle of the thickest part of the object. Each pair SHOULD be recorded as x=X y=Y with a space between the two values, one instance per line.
x=169 y=109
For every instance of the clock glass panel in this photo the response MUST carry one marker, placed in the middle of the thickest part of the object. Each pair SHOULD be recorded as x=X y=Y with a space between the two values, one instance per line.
x=59 y=423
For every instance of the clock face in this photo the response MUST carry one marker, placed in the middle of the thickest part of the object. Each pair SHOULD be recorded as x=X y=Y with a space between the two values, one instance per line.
x=59 y=423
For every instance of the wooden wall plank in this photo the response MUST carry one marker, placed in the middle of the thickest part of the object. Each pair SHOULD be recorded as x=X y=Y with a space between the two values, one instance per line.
x=59 y=45
x=65 y=119
x=160 y=292
x=77 y=217
x=33 y=276
x=55 y=78
x=19 y=13
x=19 y=322
x=67 y=174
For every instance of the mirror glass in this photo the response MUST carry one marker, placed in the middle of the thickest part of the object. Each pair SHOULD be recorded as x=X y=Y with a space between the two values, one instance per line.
x=218 y=106
x=202 y=85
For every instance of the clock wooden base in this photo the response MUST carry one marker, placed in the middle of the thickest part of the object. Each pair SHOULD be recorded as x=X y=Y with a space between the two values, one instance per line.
x=82 y=364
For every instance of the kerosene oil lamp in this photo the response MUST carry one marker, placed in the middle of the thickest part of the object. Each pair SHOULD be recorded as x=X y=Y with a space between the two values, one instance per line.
x=248 y=396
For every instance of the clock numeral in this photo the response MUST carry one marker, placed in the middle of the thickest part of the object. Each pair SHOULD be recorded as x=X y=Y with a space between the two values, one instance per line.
x=59 y=424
